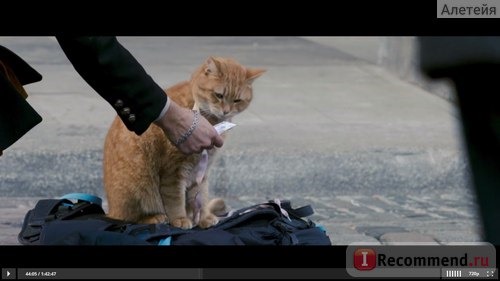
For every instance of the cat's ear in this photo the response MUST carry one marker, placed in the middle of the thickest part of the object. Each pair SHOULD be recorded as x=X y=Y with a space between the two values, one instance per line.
x=211 y=66
x=254 y=73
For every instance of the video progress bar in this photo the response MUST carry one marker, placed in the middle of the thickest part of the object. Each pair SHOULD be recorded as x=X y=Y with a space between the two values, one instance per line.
x=181 y=273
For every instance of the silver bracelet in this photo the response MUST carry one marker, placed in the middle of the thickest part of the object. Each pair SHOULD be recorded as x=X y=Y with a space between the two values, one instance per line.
x=184 y=137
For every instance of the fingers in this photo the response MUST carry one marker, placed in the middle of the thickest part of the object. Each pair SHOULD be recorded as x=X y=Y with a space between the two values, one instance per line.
x=218 y=141
x=188 y=130
x=203 y=137
x=195 y=149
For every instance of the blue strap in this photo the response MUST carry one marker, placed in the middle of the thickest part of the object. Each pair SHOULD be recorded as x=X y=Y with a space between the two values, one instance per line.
x=320 y=226
x=165 y=242
x=83 y=197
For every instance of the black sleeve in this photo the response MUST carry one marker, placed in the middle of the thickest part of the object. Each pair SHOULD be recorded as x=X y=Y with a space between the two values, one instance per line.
x=118 y=77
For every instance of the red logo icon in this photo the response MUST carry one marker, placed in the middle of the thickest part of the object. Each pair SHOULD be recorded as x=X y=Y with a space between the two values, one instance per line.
x=364 y=259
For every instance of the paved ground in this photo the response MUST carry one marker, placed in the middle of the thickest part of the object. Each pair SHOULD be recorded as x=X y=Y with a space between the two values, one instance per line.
x=379 y=159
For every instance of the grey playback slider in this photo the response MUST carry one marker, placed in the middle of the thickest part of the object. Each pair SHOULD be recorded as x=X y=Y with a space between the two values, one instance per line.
x=180 y=273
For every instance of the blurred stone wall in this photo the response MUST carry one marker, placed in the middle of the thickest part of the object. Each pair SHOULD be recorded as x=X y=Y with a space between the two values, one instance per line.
x=400 y=55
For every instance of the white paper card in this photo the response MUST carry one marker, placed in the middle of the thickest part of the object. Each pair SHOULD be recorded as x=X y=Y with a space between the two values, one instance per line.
x=223 y=126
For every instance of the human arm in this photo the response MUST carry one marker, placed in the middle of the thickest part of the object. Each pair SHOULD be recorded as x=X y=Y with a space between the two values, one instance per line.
x=119 y=78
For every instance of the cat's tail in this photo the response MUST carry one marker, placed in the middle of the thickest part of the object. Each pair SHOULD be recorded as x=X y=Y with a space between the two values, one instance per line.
x=218 y=207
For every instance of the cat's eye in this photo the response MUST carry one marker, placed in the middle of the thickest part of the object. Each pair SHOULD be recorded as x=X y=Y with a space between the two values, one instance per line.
x=219 y=96
x=236 y=100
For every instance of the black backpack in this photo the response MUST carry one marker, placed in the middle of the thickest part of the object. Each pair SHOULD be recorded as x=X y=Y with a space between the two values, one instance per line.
x=83 y=222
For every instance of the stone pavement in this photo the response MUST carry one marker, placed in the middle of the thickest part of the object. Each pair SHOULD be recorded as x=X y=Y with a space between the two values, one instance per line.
x=379 y=159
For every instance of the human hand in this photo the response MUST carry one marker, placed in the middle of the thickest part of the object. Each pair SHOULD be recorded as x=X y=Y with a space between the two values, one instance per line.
x=178 y=120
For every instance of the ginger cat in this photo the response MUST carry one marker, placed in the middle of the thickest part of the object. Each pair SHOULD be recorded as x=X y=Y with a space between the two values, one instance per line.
x=147 y=179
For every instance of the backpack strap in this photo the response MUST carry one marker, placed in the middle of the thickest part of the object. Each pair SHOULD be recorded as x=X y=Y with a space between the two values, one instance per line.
x=83 y=197
x=166 y=241
x=35 y=218
x=300 y=212
x=285 y=205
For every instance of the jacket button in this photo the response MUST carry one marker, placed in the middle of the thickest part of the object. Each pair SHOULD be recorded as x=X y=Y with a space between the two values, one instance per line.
x=125 y=111
x=118 y=103
x=131 y=118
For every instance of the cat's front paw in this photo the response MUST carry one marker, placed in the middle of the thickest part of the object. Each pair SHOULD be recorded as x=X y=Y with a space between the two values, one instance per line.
x=218 y=207
x=154 y=219
x=208 y=221
x=182 y=222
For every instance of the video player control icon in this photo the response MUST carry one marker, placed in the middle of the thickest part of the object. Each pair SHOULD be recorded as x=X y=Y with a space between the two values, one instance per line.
x=8 y=273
